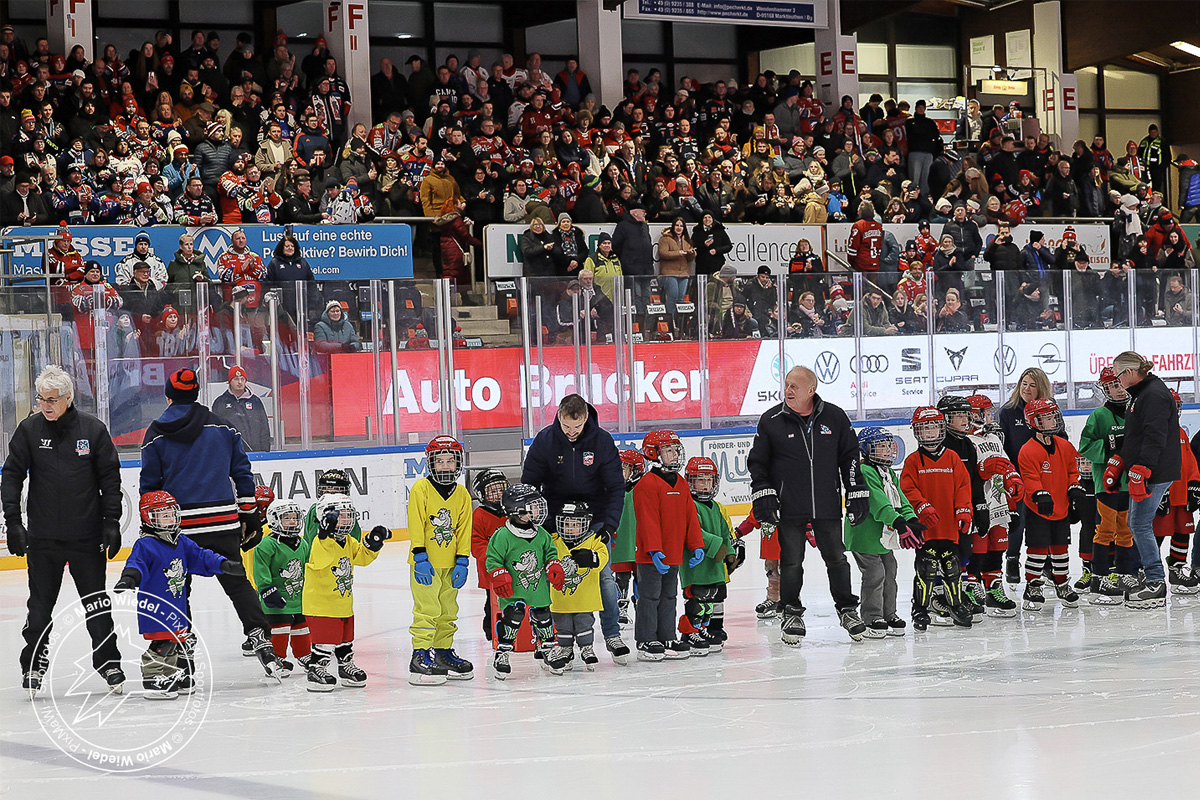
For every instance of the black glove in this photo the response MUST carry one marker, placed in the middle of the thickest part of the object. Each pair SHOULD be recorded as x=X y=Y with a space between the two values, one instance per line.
x=1044 y=503
x=983 y=520
x=739 y=549
x=110 y=537
x=251 y=528
x=1075 y=493
x=234 y=568
x=606 y=533
x=1074 y=512
x=1164 y=507
x=18 y=537
x=272 y=598
x=766 y=508
x=585 y=558
x=914 y=525
x=858 y=504
x=328 y=524
x=1193 y=495
x=374 y=539
x=130 y=579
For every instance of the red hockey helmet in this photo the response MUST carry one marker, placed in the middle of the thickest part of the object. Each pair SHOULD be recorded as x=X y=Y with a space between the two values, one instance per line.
x=440 y=472
x=702 y=477
x=929 y=426
x=656 y=442
x=263 y=497
x=160 y=516
x=981 y=409
x=636 y=463
x=1178 y=399
x=1043 y=416
x=1110 y=386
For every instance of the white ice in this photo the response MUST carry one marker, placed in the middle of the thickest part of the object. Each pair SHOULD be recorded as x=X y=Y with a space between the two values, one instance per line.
x=1090 y=702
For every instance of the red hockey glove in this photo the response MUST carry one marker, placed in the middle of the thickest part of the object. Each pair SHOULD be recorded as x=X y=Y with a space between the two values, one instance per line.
x=556 y=575
x=1137 y=482
x=808 y=534
x=501 y=582
x=993 y=466
x=963 y=518
x=1112 y=474
x=928 y=515
x=1013 y=485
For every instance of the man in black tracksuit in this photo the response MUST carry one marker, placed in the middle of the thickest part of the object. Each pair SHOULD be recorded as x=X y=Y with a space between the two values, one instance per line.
x=575 y=459
x=74 y=510
x=802 y=448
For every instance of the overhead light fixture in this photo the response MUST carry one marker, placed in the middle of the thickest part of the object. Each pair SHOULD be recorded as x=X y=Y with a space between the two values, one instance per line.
x=997 y=69
x=1187 y=47
x=403 y=35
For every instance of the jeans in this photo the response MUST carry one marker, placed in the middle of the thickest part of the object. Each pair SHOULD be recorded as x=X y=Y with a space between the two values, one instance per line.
x=657 y=596
x=674 y=290
x=610 y=618
x=918 y=169
x=1141 y=523
x=792 y=543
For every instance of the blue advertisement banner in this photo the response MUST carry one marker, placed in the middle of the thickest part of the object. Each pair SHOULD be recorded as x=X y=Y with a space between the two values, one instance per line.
x=335 y=252
x=737 y=12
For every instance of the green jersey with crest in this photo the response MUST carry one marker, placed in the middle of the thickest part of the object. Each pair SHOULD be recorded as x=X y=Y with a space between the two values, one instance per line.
x=525 y=555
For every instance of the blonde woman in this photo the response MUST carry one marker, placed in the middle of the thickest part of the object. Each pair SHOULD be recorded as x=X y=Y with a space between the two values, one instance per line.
x=1032 y=385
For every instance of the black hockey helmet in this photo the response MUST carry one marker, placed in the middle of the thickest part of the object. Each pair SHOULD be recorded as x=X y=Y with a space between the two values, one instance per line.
x=520 y=500
x=333 y=481
x=489 y=486
x=573 y=523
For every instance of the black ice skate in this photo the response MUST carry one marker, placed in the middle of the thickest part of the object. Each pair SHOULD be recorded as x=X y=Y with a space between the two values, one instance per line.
x=791 y=629
x=423 y=670
x=457 y=669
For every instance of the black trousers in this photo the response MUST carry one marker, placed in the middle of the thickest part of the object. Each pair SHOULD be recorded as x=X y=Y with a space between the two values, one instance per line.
x=792 y=544
x=241 y=593
x=46 y=560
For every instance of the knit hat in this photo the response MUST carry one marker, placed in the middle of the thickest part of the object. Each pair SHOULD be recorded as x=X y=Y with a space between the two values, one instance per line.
x=236 y=371
x=592 y=181
x=183 y=387
x=1069 y=233
x=213 y=128
x=332 y=304
x=563 y=216
x=167 y=311
x=1036 y=236
x=142 y=236
x=728 y=271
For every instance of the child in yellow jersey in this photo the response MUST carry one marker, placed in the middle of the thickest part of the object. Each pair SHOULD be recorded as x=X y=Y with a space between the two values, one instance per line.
x=583 y=556
x=439 y=525
x=328 y=594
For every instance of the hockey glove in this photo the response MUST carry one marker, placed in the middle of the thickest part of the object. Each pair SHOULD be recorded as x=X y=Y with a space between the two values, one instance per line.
x=858 y=504
x=501 y=582
x=910 y=533
x=1112 y=474
x=928 y=515
x=328 y=524
x=697 y=557
x=130 y=579
x=993 y=466
x=556 y=574
x=234 y=568
x=18 y=538
x=110 y=537
x=766 y=506
x=251 y=528
x=458 y=578
x=737 y=557
x=1076 y=493
x=1044 y=503
x=1138 y=490
x=1013 y=486
x=808 y=534
x=375 y=538
x=1115 y=440
x=963 y=518
x=422 y=569
x=656 y=557
x=585 y=558
x=1193 y=495
x=271 y=598
x=1164 y=506
x=604 y=532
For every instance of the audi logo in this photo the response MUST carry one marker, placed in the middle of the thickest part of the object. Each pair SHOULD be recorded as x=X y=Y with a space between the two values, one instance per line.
x=869 y=364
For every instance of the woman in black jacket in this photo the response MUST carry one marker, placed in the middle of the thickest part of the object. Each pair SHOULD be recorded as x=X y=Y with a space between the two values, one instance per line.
x=1033 y=384
x=570 y=248
x=1152 y=459
x=711 y=243
x=536 y=245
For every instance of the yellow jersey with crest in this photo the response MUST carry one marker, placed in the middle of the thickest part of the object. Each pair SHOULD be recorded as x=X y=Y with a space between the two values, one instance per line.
x=441 y=525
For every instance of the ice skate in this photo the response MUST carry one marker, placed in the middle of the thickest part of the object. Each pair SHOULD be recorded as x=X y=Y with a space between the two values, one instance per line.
x=650 y=651
x=1066 y=594
x=997 y=602
x=115 y=679
x=1012 y=570
x=1033 y=599
x=940 y=614
x=895 y=625
x=350 y=674
x=973 y=599
x=1182 y=579
x=500 y=665
x=1106 y=591
x=457 y=669
x=878 y=629
x=676 y=650
x=1084 y=584
x=32 y=682
x=853 y=624
x=767 y=609
x=266 y=655
x=791 y=629
x=623 y=612
x=319 y=679
x=248 y=648
x=716 y=643
x=424 y=671
x=698 y=643
x=160 y=687
x=558 y=659
x=921 y=620
x=286 y=668
x=618 y=650
x=588 y=656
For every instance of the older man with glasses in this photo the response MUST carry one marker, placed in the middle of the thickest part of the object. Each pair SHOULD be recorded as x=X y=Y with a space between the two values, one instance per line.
x=74 y=513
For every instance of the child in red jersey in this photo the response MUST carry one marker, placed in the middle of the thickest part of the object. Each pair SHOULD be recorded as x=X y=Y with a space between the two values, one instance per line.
x=489 y=487
x=1174 y=518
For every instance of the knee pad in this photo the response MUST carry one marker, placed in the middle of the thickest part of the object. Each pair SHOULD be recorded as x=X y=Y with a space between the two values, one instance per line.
x=926 y=564
x=950 y=565
x=510 y=621
x=540 y=621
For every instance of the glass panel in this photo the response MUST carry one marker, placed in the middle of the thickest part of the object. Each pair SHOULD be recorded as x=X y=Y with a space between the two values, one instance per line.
x=126 y=39
x=468 y=22
x=399 y=19
x=1034 y=334
x=1126 y=88
x=1121 y=128
x=912 y=91
x=641 y=36
x=554 y=37
x=872 y=58
x=868 y=88
x=801 y=57
x=27 y=9
x=714 y=41
x=924 y=61
x=1163 y=306
x=1086 y=79
x=1089 y=126
x=304 y=18
x=204 y=14
x=140 y=9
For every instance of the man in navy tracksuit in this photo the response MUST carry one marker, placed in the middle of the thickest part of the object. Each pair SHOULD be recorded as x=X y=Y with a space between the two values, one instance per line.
x=193 y=454
x=575 y=459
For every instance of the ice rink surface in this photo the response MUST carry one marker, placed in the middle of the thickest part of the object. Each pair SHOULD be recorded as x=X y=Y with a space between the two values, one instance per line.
x=1089 y=701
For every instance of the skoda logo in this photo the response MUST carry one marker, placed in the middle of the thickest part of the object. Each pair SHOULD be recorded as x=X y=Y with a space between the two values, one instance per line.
x=827 y=367
x=1005 y=360
x=777 y=373
x=868 y=364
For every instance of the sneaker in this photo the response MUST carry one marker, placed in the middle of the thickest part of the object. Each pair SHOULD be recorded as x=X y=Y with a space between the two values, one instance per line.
x=319 y=678
x=940 y=613
x=350 y=674
x=921 y=620
x=500 y=664
x=1084 y=584
x=423 y=670
x=676 y=650
x=650 y=651
x=877 y=630
x=618 y=650
x=792 y=629
x=716 y=642
x=248 y=648
x=767 y=609
x=1106 y=590
x=160 y=687
x=997 y=603
x=1147 y=596
x=558 y=659
x=31 y=682
x=1183 y=580
x=457 y=669
x=1066 y=594
x=115 y=679
x=853 y=624
x=697 y=642
x=895 y=625
x=1033 y=599
x=588 y=656
x=1012 y=570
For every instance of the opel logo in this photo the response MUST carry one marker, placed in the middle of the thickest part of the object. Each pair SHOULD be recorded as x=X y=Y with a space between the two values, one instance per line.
x=828 y=367
x=1050 y=357
x=868 y=364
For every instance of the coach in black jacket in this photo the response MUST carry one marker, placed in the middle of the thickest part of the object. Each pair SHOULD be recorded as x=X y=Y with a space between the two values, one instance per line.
x=802 y=448
x=74 y=510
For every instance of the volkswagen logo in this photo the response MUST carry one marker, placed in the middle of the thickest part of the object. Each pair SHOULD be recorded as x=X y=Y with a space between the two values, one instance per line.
x=827 y=367
x=869 y=364
x=1005 y=360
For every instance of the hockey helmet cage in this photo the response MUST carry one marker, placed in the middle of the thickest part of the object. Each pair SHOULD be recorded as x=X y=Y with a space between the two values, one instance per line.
x=443 y=445
x=333 y=481
x=573 y=523
x=1110 y=386
x=347 y=513
x=520 y=500
x=1042 y=415
x=703 y=477
x=489 y=487
x=160 y=516
x=653 y=445
x=929 y=426
x=636 y=463
x=286 y=519
x=877 y=446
